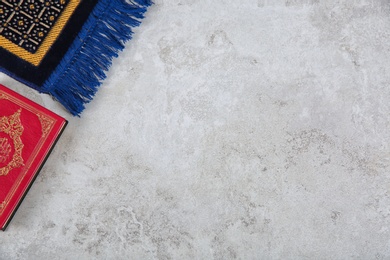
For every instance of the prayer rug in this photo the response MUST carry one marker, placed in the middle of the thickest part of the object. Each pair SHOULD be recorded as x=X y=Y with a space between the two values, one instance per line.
x=64 y=47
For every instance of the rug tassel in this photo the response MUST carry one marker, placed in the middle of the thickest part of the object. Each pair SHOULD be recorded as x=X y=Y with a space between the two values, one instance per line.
x=76 y=79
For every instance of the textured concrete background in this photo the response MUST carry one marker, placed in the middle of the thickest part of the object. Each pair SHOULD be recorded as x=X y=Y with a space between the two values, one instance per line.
x=227 y=129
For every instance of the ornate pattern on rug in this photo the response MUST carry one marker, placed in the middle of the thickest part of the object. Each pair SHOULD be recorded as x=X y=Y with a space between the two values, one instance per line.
x=64 y=47
x=31 y=25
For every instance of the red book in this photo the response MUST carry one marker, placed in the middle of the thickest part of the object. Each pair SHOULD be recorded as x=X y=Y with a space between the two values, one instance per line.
x=28 y=133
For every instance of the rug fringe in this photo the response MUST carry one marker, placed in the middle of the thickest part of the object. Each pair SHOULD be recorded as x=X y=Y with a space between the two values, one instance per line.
x=76 y=79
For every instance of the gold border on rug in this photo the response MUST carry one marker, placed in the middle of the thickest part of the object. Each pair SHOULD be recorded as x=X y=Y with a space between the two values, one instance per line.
x=52 y=36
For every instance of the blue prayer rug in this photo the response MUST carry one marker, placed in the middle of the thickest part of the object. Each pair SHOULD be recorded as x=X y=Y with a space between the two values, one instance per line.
x=64 y=47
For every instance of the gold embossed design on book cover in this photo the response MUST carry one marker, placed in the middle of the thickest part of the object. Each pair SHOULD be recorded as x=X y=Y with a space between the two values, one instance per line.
x=47 y=124
x=13 y=129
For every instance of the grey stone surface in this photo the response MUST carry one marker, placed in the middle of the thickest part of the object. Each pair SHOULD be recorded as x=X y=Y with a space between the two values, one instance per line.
x=227 y=129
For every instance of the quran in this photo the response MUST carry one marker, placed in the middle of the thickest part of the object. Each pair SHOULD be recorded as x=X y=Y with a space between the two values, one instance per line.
x=28 y=133
x=64 y=47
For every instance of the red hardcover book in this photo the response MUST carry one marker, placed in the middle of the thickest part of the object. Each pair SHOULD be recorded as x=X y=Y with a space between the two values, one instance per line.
x=28 y=133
